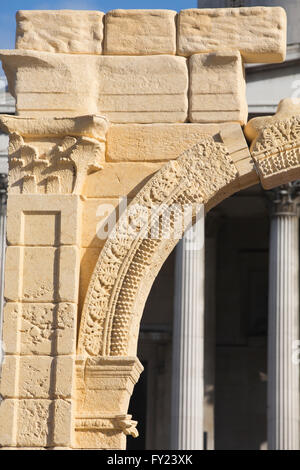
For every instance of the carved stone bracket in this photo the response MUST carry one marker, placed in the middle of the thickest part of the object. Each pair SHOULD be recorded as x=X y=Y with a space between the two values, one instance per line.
x=53 y=155
x=102 y=423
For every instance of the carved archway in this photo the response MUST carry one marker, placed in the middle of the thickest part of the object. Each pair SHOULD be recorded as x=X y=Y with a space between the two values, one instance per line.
x=204 y=174
x=127 y=266
x=107 y=367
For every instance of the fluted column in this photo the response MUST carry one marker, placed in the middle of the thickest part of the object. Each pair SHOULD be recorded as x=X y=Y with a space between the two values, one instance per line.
x=188 y=335
x=283 y=327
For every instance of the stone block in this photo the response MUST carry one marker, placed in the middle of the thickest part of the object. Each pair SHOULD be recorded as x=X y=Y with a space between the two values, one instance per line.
x=47 y=274
x=36 y=423
x=119 y=179
x=41 y=423
x=37 y=377
x=217 y=88
x=32 y=222
x=98 y=218
x=259 y=33
x=69 y=273
x=63 y=432
x=140 y=32
x=141 y=89
x=89 y=258
x=69 y=31
x=154 y=142
x=7 y=422
x=39 y=328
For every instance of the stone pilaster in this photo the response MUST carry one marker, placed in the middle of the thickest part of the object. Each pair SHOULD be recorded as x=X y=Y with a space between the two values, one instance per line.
x=283 y=327
x=188 y=337
x=48 y=162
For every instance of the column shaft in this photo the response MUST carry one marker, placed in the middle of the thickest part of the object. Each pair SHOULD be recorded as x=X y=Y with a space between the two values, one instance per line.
x=283 y=333
x=188 y=333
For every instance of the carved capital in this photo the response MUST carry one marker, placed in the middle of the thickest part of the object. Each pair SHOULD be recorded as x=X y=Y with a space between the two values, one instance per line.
x=53 y=155
x=285 y=199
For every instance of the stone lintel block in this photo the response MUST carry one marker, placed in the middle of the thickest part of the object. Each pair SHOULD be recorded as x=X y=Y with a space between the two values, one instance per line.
x=141 y=89
x=39 y=328
x=68 y=31
x=217 y=88
x=140 y=32
x=119 y=179
x=40 y=220
x=37 y=377
x=36 y=423
x=158 y=142
x=42 y=274
x=259 y=33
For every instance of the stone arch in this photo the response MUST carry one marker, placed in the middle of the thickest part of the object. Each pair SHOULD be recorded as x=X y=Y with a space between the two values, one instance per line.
x=127 y=266
x=204 y=174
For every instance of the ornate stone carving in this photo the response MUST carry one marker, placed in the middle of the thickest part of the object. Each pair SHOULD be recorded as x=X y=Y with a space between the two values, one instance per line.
x=113 y=303
x=122 y=423
x=53 y=155
x=275 y=144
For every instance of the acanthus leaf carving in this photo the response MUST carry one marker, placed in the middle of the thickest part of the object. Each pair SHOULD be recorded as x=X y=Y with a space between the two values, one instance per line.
x=52 y=160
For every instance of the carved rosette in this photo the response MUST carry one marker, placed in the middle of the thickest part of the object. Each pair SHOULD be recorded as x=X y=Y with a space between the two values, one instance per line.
x=53 y=155
x=113 y=305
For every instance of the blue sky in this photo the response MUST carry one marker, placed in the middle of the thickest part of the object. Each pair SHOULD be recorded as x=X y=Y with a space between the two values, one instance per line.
x=9 y=7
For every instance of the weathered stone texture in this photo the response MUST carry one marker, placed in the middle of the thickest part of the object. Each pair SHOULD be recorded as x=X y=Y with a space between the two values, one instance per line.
x=140 y=32
x=217 y=88
x=72 y=31
x=152 y=143
x=126 y=89
x=275 y=145
x=55 y=279
x=29 y=222
x=259 y=33
x=40 y=328
x=121 y=179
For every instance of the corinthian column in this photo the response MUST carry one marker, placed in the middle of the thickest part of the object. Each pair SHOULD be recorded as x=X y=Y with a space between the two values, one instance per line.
x=283 y=330
x=188 y=335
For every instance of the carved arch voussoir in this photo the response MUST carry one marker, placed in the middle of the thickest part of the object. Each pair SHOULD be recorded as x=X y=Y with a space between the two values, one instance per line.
x=127 y=266
x=276 y=151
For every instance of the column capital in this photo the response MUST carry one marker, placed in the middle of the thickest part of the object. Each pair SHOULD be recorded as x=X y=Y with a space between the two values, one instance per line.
x=285 y=199
x=53 y=155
